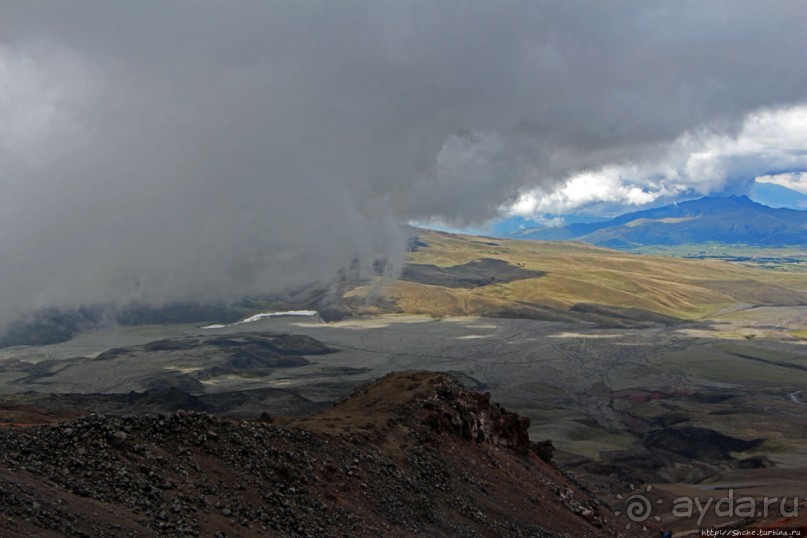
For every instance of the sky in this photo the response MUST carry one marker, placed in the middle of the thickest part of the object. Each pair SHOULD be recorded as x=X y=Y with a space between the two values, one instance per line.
x=160 y=151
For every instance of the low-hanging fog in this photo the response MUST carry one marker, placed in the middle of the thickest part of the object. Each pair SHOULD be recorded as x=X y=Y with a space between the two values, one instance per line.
x=201 y=150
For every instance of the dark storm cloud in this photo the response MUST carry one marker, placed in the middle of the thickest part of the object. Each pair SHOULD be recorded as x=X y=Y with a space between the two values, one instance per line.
x=173 y=150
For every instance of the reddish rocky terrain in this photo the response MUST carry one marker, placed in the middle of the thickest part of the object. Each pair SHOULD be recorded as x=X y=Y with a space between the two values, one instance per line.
x=412 y=453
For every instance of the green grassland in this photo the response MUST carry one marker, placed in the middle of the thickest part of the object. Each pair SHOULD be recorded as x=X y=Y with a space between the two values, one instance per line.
x=787 y=259
x=741 y=364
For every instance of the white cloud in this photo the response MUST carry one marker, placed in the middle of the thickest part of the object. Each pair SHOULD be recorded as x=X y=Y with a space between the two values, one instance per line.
x=703 y=163
x=605 y=185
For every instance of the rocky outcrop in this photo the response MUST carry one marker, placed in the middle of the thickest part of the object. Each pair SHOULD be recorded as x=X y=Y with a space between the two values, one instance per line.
x=471 y=415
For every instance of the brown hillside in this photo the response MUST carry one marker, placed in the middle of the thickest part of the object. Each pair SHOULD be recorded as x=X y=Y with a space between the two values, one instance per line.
x=412 y=453
x=457 y=275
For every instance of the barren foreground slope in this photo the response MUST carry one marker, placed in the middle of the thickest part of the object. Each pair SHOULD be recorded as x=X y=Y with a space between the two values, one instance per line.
x=413 y=453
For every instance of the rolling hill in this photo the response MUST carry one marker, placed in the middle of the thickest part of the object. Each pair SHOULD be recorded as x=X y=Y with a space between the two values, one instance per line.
x=731 y=220
x=452 y=274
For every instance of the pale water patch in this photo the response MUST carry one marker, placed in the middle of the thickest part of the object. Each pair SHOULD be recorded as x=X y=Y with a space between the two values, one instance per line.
x=377 y=322
x=582 y=335
x=473 y=336
x=182 y=369
x=258 y=317
x=473 y=322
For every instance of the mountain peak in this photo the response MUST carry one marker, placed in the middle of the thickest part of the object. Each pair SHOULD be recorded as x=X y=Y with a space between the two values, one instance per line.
x=732 y=219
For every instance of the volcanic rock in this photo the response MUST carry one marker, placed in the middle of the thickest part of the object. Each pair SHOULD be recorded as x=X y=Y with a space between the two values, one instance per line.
x=412 y=453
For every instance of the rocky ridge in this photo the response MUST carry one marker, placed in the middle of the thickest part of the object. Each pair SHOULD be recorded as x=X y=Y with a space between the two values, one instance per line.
x=414 y=453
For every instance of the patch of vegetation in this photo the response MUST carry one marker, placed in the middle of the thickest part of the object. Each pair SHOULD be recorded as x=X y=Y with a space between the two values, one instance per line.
x=744 y=364
x=698 y=443
x=542 y=389
x=473 y=274
x=632 y=314
x=770 y=258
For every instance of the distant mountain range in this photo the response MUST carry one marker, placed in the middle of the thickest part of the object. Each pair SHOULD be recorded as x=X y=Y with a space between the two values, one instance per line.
x=729 y=219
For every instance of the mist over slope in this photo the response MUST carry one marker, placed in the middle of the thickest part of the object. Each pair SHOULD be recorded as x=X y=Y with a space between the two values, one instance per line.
x=162 y=153
x=448 y=274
